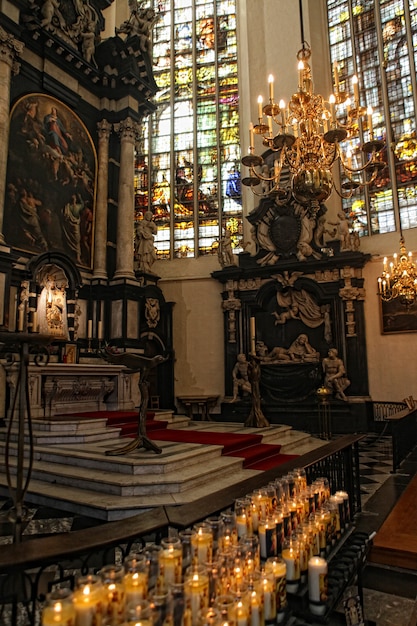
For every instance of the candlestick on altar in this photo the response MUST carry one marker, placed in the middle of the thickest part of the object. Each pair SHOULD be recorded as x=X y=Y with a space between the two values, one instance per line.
x=252 y=335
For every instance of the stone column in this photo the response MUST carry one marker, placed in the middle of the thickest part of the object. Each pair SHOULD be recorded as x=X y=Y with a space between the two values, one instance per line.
x=100 y=233
x=128 y=130
x=10 y=48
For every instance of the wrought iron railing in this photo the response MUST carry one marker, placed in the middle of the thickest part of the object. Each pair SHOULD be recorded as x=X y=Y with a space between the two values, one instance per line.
x=401 y=417
x=383 y=410
x=28 y=570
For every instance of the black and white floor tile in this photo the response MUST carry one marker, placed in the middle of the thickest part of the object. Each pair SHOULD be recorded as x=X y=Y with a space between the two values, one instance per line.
x=375 y=464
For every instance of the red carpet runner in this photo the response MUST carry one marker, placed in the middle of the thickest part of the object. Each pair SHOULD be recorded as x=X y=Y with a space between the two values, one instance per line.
x=256 y=455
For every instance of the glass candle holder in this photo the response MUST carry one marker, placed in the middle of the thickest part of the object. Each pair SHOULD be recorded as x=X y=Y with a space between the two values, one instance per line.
x=278 y=567
x=243 y=515
x=291 y=556
x=268 y=586
x=136 y=578
x=196 y=590
x=185 y=538
x=202 y=544
x=317 y=585
x=170 y=562
x=88 y=601
x=346 y=506
x=114 y=594
x=59 y=609
x=160 y=608
x=267 y=537
x=227 y=531
x=139 y=614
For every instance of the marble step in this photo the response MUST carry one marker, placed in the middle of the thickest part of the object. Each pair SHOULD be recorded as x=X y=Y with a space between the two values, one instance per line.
x=110 y=482
x=175 y=457
x=109 y=507
x=89 y=433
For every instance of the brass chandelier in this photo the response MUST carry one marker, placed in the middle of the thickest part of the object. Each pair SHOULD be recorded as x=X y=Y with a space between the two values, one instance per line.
x=306 y=137
x=399 y=278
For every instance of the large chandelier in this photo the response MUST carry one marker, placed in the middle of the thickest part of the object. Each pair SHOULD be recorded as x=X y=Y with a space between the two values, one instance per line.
x=306 y=136
x=399 y=278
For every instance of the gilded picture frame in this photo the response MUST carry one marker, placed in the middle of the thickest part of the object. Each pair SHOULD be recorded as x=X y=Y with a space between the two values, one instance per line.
x=51 y=180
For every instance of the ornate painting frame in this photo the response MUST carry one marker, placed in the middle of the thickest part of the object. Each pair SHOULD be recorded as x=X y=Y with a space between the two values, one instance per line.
x=397 y=318
x=51 y=180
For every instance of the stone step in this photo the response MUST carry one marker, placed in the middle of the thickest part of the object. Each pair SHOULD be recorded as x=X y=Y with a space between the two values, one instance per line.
x=56 y=437
x=112 y=483
x=175 y=457
x=110 y=507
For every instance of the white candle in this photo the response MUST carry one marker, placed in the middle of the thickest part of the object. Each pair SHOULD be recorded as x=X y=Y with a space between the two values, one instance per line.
x=100 y=330
x=170 y=565
x=202 y=546
x=241 y=615
x=317 y=584
x=86 y=609
x=90 y=329
x=197 y=593
x=256 y=613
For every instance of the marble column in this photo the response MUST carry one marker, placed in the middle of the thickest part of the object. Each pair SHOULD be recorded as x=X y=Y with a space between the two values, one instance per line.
x=10 y=48
x=100 y=233
x=128 y=131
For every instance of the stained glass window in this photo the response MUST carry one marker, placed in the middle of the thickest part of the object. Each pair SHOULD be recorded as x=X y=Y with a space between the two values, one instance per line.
x=377 y=40
x=187 y=167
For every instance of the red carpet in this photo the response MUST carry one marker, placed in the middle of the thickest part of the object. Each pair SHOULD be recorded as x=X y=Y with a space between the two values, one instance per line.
x=256 y=455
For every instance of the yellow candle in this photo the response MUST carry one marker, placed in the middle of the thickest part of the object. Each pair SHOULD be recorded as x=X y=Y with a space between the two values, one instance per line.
x=202 y=546
x=260 y=112
x=355 y=84
x=170 y=564
x=369 y=112
x=332 y=101
x=251 y=141
x=58 y=613
x=136 y=586
x=300 y=75
x=336 y=76
x=271 y=87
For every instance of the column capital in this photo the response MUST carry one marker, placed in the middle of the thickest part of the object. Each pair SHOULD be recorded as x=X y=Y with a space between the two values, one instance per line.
x=127 y=129
x=10 y=48
x=104 y=129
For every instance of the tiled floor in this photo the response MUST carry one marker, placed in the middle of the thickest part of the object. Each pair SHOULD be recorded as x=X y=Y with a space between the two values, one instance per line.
x=388 y=603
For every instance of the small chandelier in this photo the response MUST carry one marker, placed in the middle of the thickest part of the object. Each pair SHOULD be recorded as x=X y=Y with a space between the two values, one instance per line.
x=308 y=141
x=399 y=278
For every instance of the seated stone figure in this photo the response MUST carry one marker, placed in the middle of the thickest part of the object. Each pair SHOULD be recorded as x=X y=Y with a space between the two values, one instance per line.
x=240 y=376
x=335 y=377
x=301 y=351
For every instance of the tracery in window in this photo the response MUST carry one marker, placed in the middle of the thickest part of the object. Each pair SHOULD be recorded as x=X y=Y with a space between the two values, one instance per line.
x=355 y=46
x=191 y=149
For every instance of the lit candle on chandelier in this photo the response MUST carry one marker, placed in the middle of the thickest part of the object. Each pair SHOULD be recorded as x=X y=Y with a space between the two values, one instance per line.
x=271 y=87
x=300 y=75
x=260 y=111
x=369 y=112
x=251 y=142
x=336 y=76
x=332 y=102
x=282 y=108
x=355 y=84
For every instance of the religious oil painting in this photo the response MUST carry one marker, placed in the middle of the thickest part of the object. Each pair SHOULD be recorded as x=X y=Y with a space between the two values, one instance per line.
x=397 y=318
x=51 y=180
